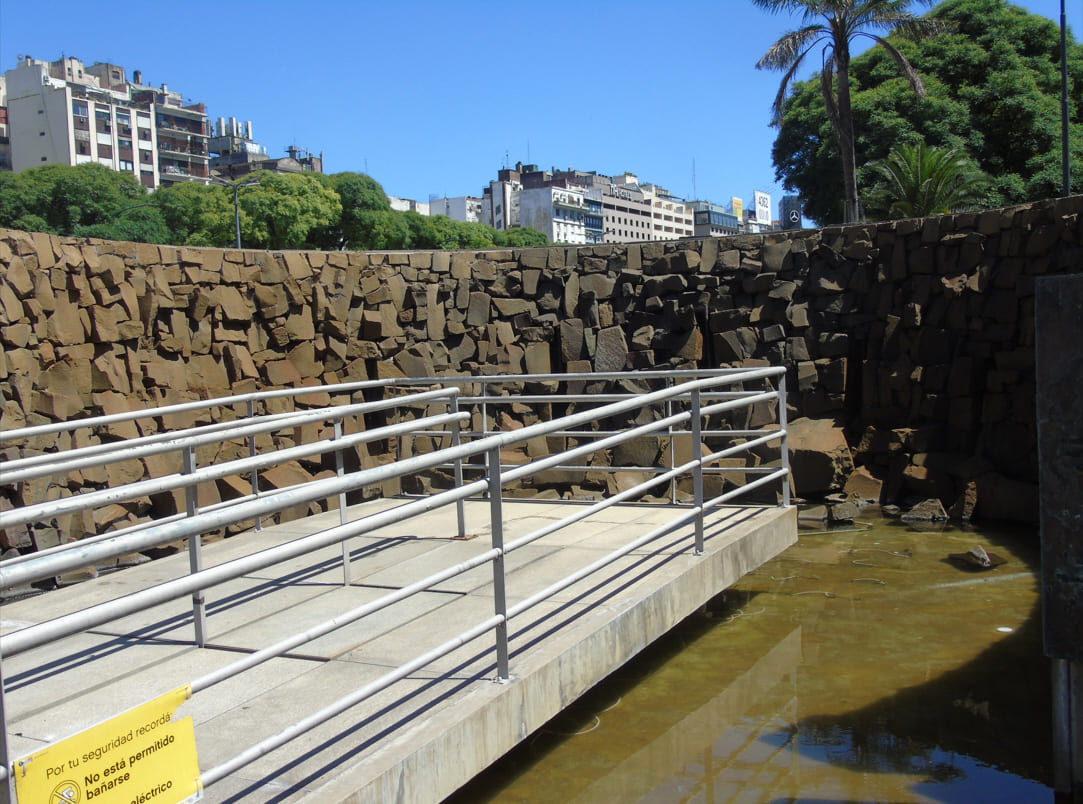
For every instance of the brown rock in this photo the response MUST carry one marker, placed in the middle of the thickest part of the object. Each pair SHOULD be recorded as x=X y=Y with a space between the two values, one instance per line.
x=819 y=456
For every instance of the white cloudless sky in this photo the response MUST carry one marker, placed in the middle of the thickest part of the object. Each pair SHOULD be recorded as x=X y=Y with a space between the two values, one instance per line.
x=432 y=98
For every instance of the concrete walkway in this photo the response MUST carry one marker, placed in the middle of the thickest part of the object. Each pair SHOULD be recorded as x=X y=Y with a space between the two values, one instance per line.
x=425 y=736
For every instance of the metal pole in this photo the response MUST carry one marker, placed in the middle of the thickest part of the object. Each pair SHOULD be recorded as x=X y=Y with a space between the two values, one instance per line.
x=252 y=454
x=496 y=516
x=195 y=551
x=1066 y=157
x=237 y=212
x=784 y=448
x=7 y=787
x=340 y=471
x=456 y=439
x=697 y=472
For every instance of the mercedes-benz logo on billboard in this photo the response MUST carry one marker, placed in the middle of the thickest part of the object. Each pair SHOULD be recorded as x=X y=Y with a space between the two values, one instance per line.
x=795 y=216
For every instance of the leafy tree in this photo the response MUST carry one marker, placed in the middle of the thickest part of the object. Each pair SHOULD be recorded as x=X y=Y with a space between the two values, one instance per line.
x=992 y=82
x=198 y=214
x=835 y=24
x=283 y=209
x=521 y=238
x=918 y=180
x=143 y=224
x=66 y=198
x=362 y=222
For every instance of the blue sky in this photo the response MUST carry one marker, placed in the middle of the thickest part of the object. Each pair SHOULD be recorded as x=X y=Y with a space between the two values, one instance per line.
x=432 y=97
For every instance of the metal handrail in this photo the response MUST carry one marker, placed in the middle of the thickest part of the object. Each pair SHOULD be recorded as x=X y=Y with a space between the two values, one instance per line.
x=489 y=445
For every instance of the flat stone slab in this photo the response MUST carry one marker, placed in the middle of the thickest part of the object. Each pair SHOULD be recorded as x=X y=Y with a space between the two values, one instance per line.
x=424 y=736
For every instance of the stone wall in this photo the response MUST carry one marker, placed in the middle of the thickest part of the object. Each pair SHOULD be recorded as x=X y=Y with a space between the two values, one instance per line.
x=914 y=338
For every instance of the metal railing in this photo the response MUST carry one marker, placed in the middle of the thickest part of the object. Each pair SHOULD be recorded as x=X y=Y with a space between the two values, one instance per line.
x=679 y=409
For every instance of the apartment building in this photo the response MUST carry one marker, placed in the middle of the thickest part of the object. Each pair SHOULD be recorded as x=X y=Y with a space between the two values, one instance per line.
x=63 y=112
x=235 y=153
x=712 y=220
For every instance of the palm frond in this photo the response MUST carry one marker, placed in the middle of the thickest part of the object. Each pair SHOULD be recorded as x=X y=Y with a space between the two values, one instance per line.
x=904 y=65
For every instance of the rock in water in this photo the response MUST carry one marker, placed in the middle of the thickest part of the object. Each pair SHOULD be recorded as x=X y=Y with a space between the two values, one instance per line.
x=976 y=558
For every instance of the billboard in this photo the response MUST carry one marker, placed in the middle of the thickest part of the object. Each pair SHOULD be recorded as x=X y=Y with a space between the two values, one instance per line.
x=763 y=207
x=738 y=208
x=791 y=212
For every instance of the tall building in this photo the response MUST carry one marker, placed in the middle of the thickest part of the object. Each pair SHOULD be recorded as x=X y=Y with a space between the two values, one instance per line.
x=63 y=112
x=466 y=208
x=235 y=153
x=5 y=138
x=712 y=220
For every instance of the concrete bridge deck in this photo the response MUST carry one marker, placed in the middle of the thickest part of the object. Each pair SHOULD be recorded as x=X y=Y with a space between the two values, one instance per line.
x=425 y=736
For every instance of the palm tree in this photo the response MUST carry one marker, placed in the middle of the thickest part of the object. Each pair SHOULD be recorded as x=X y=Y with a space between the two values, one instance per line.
x=919 y=181
x=835 y=24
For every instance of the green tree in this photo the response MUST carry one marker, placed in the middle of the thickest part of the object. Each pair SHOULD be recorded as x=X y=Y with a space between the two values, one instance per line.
x=283 y=209
x=362 y=222
x=992 y=80
x=834 y=25
x=917 y=180
x=61 y=199
x=521 y=238
x=198 y=214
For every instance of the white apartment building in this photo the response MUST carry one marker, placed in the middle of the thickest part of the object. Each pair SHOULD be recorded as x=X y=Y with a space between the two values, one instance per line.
x=466 y=208
x=63 y=112
x=561 y=213
x=671 y=218
x=408 y=205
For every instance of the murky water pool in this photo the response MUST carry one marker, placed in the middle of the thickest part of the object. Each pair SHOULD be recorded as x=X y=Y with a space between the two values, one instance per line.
x=859 y=666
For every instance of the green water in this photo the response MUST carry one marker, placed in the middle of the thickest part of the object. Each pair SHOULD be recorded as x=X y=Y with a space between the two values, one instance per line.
x=858 y=666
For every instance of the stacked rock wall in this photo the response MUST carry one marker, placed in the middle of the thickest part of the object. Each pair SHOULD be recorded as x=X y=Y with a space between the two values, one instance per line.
x=914 y=337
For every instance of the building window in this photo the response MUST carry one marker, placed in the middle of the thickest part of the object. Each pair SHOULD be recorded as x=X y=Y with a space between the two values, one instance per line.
x=78 y=108
x=127 y=165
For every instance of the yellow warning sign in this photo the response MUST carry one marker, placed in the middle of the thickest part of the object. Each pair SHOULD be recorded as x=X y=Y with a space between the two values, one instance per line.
x=142 y=756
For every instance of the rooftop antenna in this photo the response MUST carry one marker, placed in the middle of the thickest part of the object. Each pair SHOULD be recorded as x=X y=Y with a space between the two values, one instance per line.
x=507 y=159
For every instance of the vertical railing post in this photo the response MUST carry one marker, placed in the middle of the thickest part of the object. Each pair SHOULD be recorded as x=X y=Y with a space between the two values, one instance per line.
x=672 y=447
x=252 y=454
x=195 y=549
x=340 y=470
x=7 y=790
x=484 y=415
x=697 y=471
x=784 y=445
x=496 y=517
x=456 y=440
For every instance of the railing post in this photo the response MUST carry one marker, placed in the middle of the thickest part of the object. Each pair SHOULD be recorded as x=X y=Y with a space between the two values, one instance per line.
x=697 y=471
x=485 y=414
x=784 y=444
x=496 y=517
x=672 y=448
x=340 y=471
x=456 y=439
x=252 y=454
x=195 y=550
x=7 y=791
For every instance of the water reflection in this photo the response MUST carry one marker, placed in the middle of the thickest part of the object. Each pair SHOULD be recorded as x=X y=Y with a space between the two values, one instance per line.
x=858 y=666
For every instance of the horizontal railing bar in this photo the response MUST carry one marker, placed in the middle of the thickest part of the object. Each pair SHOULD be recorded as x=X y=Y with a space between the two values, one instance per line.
x=687 y=516
x=595 y=508
x=278 y=393
x=327 y=626
x=41 y=633
x=567 y=398
x=98 y=454
x=78 y=502
x=312 y=721
x=322 y=489
x=185 y=407
x=737 y=492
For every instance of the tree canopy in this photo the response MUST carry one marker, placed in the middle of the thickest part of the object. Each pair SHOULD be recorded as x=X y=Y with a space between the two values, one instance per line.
x=279 y=211
x=992 y=89
x=834 y=27
x=917 y=180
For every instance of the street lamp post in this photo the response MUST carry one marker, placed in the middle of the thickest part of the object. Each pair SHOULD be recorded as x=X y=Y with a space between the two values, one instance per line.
x=1064 y=129
x=236 y=187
